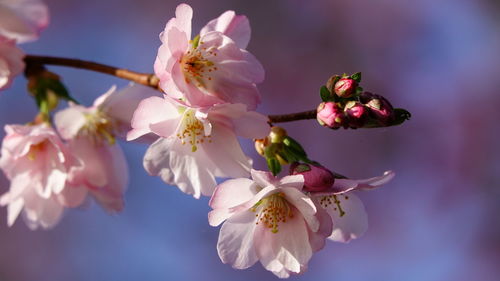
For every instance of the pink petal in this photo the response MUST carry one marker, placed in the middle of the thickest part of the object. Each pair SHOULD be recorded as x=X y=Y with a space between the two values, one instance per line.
x=292 y=181
x=304 y=205
x=192 y=172
x=226 y=153
x=288 y=249
x=72 y=196
x=69 y=121
x=22 y=20
x=346 y=185
x=183 y=15
x=353 y=223
x=235 y=245
x=232 y=192
x=150 y=111
x=317 y=239
x=263 y=178
x=235 y=27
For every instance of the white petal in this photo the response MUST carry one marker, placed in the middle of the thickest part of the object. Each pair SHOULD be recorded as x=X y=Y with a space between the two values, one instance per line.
x=288 y=249
x=192 y=172
x=226 y=154
x=304 y=205
x=354 y=221
x=69 y=121
x=235 y=245
x=150 y=111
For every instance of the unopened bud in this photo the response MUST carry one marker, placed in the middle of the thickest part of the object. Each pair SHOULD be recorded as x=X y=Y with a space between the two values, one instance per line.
x=356 y=114
x=277 y=134
x=345 y=87
x=260 y=146
x=316 y=177
x=380 y=108
x=329 y=114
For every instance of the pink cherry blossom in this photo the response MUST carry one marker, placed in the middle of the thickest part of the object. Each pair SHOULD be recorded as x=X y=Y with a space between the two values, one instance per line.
x=212 y=68
x=36 y=162
x=346 y=210
x=91 y=133
x=270 y=220
x=22 y=20
x=196 y=144
x=11 y=62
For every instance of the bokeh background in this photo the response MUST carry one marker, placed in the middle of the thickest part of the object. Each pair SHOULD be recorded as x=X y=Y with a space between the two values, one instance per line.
x=437 y=220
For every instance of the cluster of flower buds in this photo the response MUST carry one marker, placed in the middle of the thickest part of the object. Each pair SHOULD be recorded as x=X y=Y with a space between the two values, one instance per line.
x=346 y=105
x=280 y=149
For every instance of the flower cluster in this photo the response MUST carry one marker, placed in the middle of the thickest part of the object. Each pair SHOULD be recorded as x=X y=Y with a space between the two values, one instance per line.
x=208 y=84
x=346 y=105
x=209 y=92
x=53 y=168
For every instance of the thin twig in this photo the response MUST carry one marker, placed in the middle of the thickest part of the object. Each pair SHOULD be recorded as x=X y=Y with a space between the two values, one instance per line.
x=311 y=114
x=146 y=79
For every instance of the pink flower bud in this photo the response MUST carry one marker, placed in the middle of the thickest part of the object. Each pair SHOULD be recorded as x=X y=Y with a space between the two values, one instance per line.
x=380 y=108
x=329 y=114
x=356 y=114
x=345 y=87
x=316 y=177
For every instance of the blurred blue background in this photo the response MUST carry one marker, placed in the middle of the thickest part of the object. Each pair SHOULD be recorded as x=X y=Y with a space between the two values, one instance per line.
x=437 y=220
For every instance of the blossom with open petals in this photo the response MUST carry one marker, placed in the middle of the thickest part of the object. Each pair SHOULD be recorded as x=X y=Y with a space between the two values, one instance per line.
x=22 y=20
x=196 y=144
x=346 y=210
x=270 y=220
x=212 y=68
x=36 y=162
x=91 y=133
x=11 y=62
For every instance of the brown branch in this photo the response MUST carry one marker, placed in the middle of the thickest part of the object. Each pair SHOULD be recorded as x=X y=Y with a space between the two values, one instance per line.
x=146 y=79
x=311 y=114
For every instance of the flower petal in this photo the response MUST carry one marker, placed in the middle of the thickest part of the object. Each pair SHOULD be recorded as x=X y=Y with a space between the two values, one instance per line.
x=231 y=25
x=235 y=245
x=226 y=154
x=192 y=172
x=150 y=111
x=354 y=221
x=288 y=248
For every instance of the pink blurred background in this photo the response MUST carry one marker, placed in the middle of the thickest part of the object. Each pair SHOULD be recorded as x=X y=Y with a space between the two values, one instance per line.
x=437 y=220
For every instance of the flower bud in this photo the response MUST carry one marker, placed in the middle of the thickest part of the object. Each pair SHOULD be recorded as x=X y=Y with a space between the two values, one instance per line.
x=316 y=177
x=329 y=114
x=277 y=134
x=260 y=146
x=380 y=108
x=345 y=87
x=356 y=114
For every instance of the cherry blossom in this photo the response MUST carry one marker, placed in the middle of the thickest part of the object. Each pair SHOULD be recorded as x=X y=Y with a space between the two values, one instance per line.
x=36 y=162
x=346 y=210
x=91 y=133
x=214 y=67
x=22 y=20
x=270 y=220
x=11 y=62
x=196 y=144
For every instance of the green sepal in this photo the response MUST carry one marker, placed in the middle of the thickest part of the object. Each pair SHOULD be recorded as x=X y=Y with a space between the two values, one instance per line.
x=274 y=165
x=356 y=77
x=325 y=94
x=294 y=151
x=49 y=89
